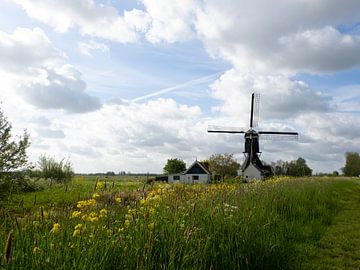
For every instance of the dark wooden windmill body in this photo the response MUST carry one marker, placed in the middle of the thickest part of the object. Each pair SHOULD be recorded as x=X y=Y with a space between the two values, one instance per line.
x=253 y=168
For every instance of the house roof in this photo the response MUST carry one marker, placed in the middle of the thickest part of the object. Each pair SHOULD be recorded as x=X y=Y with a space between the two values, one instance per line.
x=202 y=166
x=255 y=161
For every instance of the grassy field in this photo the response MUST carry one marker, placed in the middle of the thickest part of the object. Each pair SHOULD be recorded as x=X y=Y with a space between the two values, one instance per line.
x=277 y=224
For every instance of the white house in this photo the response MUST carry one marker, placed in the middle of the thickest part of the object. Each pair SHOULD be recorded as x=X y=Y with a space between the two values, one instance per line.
x=252 y=170
x=196 y=173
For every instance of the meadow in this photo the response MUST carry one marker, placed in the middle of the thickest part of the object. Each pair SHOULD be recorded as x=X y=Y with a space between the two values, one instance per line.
x=281 y=223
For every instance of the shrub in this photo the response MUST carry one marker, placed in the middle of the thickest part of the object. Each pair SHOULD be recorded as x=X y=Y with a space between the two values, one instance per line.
x=60 y=172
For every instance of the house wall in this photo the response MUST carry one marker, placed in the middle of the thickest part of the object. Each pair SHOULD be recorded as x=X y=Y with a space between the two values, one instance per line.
x=171 y=178
x=252 y=173
x=188 y=178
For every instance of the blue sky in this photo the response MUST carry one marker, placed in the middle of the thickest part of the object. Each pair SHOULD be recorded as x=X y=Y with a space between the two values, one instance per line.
x=114 y=85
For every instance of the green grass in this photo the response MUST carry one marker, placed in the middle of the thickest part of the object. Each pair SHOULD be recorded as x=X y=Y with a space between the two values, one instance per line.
x=339 y=248
x=278 y=224
x=58 y=195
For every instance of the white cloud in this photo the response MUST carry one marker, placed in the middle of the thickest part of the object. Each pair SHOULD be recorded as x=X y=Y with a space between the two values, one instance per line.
x=61 y=88
x=39 y=73
x=266 y=42
x=27 y=48
x=255 y=36
x=171 y=21
x=130 y=136
x=97 y=20
x=280 y=97
x=319 y=50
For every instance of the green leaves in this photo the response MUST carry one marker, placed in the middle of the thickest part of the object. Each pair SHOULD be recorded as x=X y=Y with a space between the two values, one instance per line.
x=174 y=166
x=352 y=165
x=12 y=152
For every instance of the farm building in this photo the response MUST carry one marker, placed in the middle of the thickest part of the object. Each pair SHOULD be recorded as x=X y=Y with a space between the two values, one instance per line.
x=196 y=173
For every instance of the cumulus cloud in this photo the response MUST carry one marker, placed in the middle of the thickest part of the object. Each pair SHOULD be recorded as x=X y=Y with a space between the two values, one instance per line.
x=254 y=36
x=319 y=50
x=281 y=97
x=266 y=48
x=148 y=131
x=98 y=20
x=43 y=77
x=27 y=48
x=61 y=89
x=171 y=21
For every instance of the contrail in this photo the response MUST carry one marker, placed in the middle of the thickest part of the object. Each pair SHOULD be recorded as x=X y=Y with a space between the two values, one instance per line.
x=179 y=86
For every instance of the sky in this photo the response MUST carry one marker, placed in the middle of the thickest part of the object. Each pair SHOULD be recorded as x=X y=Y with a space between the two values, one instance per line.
x=120 y=85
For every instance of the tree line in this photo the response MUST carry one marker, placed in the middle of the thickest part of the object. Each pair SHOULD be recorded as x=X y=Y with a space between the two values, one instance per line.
x=226 y=166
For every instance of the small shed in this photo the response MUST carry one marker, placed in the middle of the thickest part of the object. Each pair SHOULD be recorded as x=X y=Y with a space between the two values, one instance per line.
x=196 y=173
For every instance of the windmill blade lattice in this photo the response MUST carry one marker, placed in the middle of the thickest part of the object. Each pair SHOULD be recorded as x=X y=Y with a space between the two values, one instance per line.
x=278 y=136
x=221 y=129
x=256 y=110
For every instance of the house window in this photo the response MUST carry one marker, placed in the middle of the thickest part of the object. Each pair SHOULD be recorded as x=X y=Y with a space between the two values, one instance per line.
x=176 y=177
x=195 y=177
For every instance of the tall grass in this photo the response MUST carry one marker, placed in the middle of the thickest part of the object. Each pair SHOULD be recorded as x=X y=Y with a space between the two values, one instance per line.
x=266 y=225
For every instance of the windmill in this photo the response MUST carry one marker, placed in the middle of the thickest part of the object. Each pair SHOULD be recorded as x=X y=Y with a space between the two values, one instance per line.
x=253 y=168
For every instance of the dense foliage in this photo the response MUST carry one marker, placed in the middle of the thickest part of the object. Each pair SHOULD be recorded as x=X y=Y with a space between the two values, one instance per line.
x=174 y=165
x=58 y=171
x=224 y=165
x=292 y=168
x=12 y=152
x=352 y=165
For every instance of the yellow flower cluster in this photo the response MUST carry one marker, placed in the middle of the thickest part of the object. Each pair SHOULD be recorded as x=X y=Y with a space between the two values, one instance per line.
x=77 y=230
x=56 y=228
x=86 y=203
x=95 y=196
x=99 y=185
x=36 y=250
x=75 y=214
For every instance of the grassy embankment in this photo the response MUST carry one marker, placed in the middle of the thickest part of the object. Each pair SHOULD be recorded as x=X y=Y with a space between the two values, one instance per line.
x=276 y=224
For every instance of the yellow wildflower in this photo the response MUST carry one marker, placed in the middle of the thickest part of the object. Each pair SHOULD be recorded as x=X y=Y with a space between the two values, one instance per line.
x=151 y=226
x=55 y=228
x=78 y=226
x=118 y=200
x=103 y=212
x=127 y=223
x=93 y=219
x=75 y=214
x=152 y=210
x=99 y=185
x=36 y=250
x=95 y=196
x=76 y=233
x=121 y=230
x=142 y=201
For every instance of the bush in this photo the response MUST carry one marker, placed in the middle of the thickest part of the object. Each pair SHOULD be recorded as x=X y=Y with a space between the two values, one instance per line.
x=60 y=172
x=16 y=182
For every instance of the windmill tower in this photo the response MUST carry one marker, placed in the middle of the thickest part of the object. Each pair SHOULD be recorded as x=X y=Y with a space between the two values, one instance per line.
x=253 y=168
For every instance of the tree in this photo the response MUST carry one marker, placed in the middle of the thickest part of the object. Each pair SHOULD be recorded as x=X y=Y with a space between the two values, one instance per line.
x=280 y=167
x=174 y=165
x=352 y=164
x=60 y=172
x=224 y=165
x=299 y=168
x=12 y=152
x=295 y=167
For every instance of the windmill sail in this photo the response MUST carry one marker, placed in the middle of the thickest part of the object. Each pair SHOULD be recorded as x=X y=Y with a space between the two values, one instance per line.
x=254 y=113
x=221 y=129
x=278 y=135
